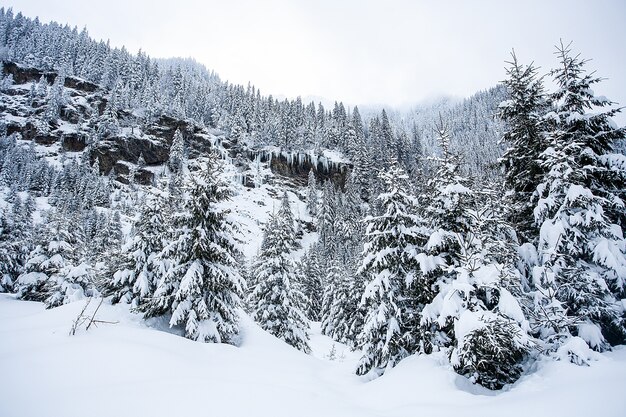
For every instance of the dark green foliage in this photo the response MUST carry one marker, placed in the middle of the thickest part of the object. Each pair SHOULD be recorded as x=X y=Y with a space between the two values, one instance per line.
x=491 y=355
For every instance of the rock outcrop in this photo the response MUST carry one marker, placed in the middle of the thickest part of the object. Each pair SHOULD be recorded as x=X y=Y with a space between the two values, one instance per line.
x=76 y=131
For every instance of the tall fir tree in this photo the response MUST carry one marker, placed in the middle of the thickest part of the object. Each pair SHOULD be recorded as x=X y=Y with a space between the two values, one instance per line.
x=311 y=271
x=176 y=159
x=138 y=271
x=582 y=252
x=446 y=207
x=523 y=111
x=51 y=273
x=388 y=265
x=203 y=287
x=276 y=302
x=311 y=197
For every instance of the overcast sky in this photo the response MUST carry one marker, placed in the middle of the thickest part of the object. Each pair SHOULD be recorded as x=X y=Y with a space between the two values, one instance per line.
x=392 y=52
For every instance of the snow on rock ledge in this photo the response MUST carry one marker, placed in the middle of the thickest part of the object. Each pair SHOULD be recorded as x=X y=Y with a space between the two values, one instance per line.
x=329 y=165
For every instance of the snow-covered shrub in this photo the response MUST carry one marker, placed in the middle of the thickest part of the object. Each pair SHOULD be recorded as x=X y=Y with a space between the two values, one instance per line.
x=491 y=355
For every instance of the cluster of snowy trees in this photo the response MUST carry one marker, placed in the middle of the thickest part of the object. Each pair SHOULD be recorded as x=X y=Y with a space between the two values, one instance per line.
x=426 y=246
x=492 y=277
x=76 y=228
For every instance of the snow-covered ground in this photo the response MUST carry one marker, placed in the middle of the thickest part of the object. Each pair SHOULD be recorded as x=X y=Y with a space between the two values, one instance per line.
x=133 y=369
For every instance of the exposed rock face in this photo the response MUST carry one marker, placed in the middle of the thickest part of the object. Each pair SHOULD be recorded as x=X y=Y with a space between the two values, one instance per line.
x=22 y=75
x=196 y=139
x=74 y=142
x=298 y=165
x=128 y=149
x=337 y=173
x=46 y=140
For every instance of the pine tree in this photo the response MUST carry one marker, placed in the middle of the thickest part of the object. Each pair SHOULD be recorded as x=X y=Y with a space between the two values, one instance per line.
x=446 y=208
x=312 y=283
x=523 y=112
x=108 y=123
x=326 y=217
x=286 y=216
x=176 y=160
x=50 y=273
x=135 y=280
x=477 y=306
x=56 y=100
x=389 y=262
x=331 y=280
x=276 y=301
x=581 y=245
x=203 y=287
x=311 y=200
x=15 y=241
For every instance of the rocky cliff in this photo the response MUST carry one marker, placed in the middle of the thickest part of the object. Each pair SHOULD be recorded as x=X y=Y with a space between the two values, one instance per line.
x=23 y=107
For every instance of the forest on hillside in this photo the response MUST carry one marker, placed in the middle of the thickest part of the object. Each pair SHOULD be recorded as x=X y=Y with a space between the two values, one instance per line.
x=490 y=228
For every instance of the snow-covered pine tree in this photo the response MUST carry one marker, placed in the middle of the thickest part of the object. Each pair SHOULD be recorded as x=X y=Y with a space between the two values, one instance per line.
x=15 y=241
x=389 y=262
x=582 y=261
x=337 y=322
x=350 y=226
x=445 y=210
x=478 y=300
x=523 y=112
x=286 y=217
x=176 y=160
x=333 y=276
x=138 y=273
x=276 y=301
x=326 y=221
x=203 y=287
x=108 y=123
x=56 y=100
x=311 y=199
x=50 y=273
x=311 y=271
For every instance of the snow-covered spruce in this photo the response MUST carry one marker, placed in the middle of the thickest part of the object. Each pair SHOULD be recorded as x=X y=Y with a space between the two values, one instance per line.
x=523 y=112
x=51 y=273
x=311 y=275
x=140 y=267
x=446 y=206
x=388 y=266
x=312 y=197
x=15 y=242
x=276 y=302
x=203 y=287
x=476 y=311
x=582 y=251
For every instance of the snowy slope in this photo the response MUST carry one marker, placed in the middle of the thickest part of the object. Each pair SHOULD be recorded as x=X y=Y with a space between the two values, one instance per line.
x=131 y=369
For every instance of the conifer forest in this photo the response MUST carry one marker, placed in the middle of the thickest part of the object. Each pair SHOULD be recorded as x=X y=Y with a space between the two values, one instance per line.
x=167 y=233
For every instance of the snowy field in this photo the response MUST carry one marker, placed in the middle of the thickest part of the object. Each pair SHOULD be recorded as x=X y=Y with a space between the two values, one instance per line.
x=133 y=368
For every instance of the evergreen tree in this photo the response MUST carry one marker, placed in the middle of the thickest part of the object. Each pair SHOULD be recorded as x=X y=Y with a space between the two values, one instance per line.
x=326 y=220
x=523 y=112
x=276 y=300
x=203 y=287
x=312 y=283
x=389 y=262
x=477 y=307
x=446 y=208
x=135 y=280
x=311 y=200
x=176 y=160
x=286 y=216
x=581 y=245
x=331 y=280
x=50 y=273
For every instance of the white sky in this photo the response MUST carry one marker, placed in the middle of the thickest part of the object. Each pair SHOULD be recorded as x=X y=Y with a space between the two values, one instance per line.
x=391 y=52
